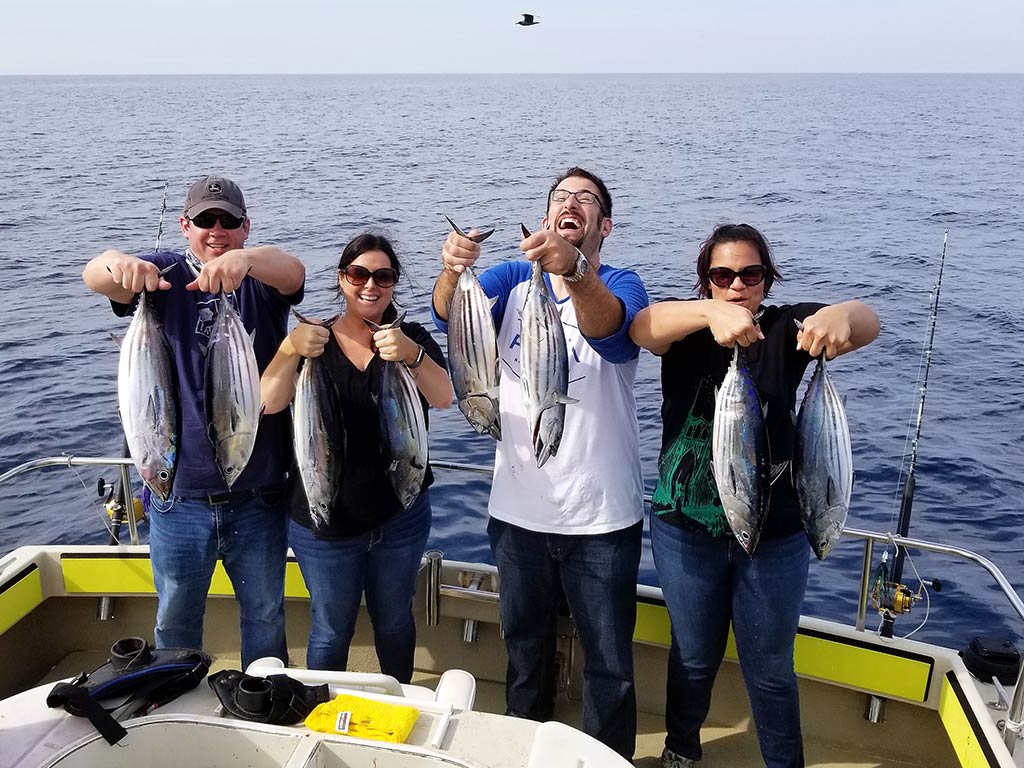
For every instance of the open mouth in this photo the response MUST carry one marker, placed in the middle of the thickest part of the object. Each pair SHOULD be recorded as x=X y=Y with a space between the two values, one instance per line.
x=570 y=223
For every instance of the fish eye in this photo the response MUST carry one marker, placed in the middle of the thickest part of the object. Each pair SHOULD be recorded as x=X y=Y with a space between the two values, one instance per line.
x=163 y=474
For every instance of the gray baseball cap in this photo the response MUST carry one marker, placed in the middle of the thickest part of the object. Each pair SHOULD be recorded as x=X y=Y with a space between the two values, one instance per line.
x=214 y=192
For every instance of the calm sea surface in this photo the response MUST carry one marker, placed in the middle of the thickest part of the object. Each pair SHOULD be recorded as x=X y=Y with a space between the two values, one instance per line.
x=852 y=178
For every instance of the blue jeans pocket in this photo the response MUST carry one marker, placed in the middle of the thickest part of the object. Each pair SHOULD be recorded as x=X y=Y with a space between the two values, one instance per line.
x=162 y=507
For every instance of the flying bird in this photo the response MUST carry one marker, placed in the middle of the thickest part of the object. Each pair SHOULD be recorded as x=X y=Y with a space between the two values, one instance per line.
x=528 y=20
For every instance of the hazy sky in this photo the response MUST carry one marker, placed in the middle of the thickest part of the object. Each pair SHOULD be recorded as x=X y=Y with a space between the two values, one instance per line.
x=480 y=36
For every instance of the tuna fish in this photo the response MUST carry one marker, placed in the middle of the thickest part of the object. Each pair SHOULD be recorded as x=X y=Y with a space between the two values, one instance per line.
x=147 y=398
x=232 y=392
x=473 y=350
x=403 y=427
x=543 y=366
x=319 y=434
x=822 y=462
x=740 y=454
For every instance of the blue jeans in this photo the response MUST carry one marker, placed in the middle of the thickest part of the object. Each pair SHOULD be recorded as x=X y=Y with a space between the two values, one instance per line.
x=186 y=536
x=597 y=574
x=383 y=562
x=708 y=582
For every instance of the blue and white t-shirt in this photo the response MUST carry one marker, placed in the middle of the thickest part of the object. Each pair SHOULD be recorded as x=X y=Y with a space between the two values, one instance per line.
x=594 y=483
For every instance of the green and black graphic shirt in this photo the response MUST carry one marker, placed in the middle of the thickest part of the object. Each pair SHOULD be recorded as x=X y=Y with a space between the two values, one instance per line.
x=691 y=371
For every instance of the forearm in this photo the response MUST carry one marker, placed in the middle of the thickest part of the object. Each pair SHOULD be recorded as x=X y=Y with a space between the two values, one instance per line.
x=277 y=384
x=864 y=324
x=276 y=267
x=656 y=327
x=599 y=312
x=97 y=277
x=444 y=289
x=432 y=380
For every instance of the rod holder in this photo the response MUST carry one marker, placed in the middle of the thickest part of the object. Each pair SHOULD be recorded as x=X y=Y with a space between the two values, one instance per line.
x=874 y=711
x=434 y=559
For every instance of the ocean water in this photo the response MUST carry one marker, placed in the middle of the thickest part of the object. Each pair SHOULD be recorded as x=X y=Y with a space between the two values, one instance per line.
x=852 y=178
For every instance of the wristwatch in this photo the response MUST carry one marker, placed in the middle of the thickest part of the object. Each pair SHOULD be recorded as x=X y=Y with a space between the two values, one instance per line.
x=580 y=270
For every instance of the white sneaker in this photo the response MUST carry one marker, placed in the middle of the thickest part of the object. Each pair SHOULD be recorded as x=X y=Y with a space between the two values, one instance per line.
x=670 y=759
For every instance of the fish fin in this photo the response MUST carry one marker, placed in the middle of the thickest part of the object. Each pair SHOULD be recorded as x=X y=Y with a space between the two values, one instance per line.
x=776 y=471
x=374 y=327
x=118 y=339
x=263 y=409
x=167 y=269
x=526 y=232
x=491 y=302
x=564 y=399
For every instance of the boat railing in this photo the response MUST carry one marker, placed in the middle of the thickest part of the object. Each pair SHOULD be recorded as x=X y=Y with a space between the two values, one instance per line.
x=870 y=538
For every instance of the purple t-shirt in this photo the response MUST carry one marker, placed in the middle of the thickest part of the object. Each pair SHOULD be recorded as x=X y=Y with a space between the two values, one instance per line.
x=187 y=318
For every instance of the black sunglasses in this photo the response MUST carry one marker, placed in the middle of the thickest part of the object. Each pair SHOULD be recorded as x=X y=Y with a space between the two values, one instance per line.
x=208 y=220
x=723 y=276
x=385 y=277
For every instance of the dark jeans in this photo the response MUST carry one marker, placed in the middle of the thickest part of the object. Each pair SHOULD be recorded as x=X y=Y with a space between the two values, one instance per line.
x=383 y=563
x=708 y=582
x=598 y=575
x=250 y=536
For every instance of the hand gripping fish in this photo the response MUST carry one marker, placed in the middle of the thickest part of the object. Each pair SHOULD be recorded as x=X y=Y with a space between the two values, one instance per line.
x=822 y=462
x=473 y=349
x=147 y=398
x=319 y=433
x=233 y=407
x=403 y=427
x=740 y=458
x=543 y=366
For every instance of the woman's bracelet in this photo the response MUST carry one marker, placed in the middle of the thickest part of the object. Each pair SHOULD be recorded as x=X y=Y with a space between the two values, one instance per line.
x=419 y=359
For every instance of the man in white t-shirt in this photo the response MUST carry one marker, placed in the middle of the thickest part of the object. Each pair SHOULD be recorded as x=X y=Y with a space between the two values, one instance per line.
x=573 y=525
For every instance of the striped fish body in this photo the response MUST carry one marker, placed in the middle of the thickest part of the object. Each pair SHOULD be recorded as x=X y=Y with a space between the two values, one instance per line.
x=823 y=462
x=147 y=398
x=319 y=437
x=404 y=429
x=232 y=392
x=740 y=454
x=543 y=368
x=473 y=355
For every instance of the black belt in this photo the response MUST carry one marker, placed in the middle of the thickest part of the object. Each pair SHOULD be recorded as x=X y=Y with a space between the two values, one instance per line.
x=231 y=497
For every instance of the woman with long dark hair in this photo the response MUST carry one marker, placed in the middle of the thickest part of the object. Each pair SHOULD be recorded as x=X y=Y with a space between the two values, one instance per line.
x=369 y=541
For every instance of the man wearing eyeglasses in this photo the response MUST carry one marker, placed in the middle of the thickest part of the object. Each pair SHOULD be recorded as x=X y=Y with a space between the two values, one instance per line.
x=574 y=525
x=202 y=520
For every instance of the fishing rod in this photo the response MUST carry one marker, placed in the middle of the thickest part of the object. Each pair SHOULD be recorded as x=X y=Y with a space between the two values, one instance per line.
x=160 y=228
x=890 y=595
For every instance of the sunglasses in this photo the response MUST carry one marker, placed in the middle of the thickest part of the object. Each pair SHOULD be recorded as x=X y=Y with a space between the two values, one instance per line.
x=723 y=277
x=207 y=220
x=385 y=277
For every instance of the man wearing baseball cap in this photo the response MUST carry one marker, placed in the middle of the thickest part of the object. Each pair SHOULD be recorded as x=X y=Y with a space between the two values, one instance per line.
x=202 y=519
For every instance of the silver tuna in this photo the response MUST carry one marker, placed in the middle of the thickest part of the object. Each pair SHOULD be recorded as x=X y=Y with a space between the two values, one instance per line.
x=823 y=462
x=319 y=434
x=232 y=392
x=543 y=366
x=403 y=426
x=147 y=398
x=473 y=350
x=740 y=454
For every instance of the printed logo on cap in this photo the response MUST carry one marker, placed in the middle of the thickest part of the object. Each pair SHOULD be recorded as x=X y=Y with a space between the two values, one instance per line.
x=214 y=187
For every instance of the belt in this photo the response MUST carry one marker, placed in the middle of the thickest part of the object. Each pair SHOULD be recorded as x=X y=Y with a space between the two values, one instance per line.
x=231 y=497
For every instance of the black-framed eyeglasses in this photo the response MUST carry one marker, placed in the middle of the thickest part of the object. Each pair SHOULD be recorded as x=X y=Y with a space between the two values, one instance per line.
x=208 y=220
x=385 y=277
x=723 y=277
x=583 y=197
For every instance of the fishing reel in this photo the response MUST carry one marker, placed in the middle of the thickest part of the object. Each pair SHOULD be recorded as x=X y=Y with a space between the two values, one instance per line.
x=112 y=501
x=891 y=598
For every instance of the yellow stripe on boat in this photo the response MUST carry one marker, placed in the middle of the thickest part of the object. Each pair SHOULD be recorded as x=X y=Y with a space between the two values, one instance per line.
x=20 y=596
x=889 y=672
x=971 y=747
x=132 y=574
